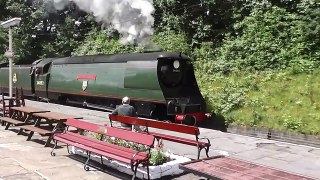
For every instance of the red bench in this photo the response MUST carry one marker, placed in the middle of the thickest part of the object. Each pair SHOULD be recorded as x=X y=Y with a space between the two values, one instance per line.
x=112 y=151
x=184 y=129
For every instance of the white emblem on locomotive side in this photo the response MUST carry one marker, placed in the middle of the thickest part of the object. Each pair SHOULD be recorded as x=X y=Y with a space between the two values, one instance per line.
x=84 y=85
x=14 y=78
x=40 y=83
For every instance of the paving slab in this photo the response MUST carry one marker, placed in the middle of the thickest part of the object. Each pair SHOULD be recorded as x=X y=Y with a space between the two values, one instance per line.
x=26 y=176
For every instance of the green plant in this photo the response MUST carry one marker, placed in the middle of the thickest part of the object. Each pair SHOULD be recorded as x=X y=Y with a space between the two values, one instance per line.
x=157 y=155
x=171 y=41
x=256 y=118
x=291 y=123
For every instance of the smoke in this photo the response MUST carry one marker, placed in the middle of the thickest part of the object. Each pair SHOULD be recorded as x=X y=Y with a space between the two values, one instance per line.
x=131 y=18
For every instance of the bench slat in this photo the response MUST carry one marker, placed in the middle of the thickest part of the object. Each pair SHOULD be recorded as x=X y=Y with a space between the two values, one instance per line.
x=156 y=124
x=81 y=124
x=84 y=147
x=78 y=137
x=183 y=129
x=113 y=132
x=39 y=130
x=179 y=139
x=12 y=121
x=104 y=147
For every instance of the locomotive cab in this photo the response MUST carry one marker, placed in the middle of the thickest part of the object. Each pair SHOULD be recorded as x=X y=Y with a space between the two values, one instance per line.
x=40 y=75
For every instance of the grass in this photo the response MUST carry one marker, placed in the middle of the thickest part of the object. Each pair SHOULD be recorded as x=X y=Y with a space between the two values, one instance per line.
x=280 y=101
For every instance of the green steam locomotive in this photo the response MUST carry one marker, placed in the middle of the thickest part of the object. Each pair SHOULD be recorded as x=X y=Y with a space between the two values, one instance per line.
x=161 y=85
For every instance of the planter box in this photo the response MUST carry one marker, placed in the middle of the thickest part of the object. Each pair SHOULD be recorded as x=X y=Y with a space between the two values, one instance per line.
x=167 y=169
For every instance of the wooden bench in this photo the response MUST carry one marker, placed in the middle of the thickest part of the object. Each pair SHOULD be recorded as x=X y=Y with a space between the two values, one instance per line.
x=10 y=121
x=183 y=129
x=111 y=151
x=43 y=131
x=6 y=105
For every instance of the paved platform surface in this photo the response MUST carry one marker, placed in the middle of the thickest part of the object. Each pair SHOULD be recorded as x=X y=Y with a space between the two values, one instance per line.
x=21 y=159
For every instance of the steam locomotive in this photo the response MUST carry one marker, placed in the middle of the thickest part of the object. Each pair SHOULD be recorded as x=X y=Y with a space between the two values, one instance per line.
x=161 y=85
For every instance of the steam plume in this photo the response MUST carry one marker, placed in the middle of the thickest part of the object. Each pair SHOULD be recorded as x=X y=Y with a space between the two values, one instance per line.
x=131 y=18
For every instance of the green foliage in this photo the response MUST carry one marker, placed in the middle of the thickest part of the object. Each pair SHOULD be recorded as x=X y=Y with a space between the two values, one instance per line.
x=277 y=100
x=203 y=57
x=157 y=158
x=200 y=21
x=264 y=41
x=157 y=155
x=171 y=41
x=292 y=123
x=269 y=38
x=103 y=42
x=3 y=44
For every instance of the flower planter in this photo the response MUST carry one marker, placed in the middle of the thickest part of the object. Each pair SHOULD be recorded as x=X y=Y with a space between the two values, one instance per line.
x=166 y=169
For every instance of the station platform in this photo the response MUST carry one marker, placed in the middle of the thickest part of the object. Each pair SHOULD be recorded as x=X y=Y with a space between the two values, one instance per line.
x=21 y=159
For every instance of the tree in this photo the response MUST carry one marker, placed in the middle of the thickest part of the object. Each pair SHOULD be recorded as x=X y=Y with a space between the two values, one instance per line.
x=3 y=42
x=201 y=20
x=45 y=31
x=103 y=42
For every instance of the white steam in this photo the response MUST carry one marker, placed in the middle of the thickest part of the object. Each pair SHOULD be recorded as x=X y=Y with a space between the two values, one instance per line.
x=131 y=18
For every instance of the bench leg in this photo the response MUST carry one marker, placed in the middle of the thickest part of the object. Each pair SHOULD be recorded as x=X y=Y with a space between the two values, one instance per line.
x=86 y=167
x=101 y=160
x=20 y=131
x=199 y=150
x=48 y=141
x=69 y=152
x=7 y=126
x=30 y=135
x=148 y=172
x=207 y=151
x=135 y=171
x=54 y=147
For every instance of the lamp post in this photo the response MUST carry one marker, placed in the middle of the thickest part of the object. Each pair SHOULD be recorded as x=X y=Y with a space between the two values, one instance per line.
x=9 y=54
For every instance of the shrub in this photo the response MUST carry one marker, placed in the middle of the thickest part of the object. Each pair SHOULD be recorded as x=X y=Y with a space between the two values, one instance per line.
x=269 y=38
x=104 y=42
x=291 y=123
x=171 y=41
x=157 y=155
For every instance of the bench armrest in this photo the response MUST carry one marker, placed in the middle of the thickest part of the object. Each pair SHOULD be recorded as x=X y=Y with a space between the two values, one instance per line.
x=132 y=160
x=207 y=140
x=58 y=130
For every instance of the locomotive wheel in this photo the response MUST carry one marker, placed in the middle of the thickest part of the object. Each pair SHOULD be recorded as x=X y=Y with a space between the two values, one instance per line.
x=62 y=100
x=189 y=120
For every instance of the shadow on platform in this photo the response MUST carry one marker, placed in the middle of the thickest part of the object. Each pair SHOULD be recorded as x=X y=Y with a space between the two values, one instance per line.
x=217 y=122
x=95 y=166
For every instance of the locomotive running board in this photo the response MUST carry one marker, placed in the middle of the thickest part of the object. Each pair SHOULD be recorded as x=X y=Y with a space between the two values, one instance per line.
x=88 y=105
x=94 y=106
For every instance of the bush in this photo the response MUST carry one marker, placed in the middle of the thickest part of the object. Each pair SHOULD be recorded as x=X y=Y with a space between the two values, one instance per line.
x=3 y=43
x=171 y=41
x=104 y=42
x=269 y=38
x=157 y=155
